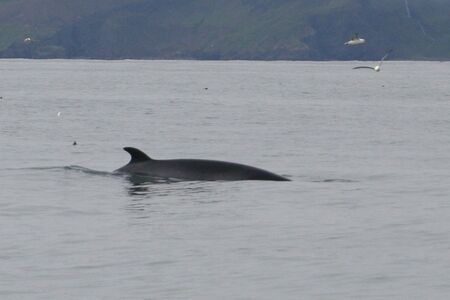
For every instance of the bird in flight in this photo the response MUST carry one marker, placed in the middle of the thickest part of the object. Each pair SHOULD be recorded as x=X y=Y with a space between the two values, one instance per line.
x=377 y=67
x=355 y=40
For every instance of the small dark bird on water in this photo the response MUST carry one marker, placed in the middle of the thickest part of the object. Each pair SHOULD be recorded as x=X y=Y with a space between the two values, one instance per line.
x=74 y=143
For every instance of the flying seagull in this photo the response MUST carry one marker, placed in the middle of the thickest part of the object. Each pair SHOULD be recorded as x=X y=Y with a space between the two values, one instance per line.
x=377 y=67
x=355 y=40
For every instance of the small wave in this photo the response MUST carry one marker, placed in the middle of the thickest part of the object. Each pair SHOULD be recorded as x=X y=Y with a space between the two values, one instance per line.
x=335 y=180
x=32 y=168
x=87 y=170
x=70 y=168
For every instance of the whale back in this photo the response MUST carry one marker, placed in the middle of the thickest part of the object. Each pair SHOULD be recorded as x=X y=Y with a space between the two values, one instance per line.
x=204 y=170
x=192 y=169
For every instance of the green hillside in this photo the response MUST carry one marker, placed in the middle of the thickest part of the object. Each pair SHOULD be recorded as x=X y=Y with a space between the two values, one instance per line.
x=224 y=29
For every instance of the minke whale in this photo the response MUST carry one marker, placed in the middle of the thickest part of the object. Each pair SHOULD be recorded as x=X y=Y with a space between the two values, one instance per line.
x=192 y=169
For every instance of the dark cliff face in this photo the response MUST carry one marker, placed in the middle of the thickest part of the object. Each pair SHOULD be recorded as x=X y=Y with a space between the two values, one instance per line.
x=233 y=29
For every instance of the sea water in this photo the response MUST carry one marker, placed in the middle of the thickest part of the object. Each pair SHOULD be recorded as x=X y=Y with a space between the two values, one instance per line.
x=366 y=215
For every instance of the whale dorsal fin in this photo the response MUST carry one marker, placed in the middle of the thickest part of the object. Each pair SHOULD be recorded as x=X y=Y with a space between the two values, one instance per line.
x=136 y=155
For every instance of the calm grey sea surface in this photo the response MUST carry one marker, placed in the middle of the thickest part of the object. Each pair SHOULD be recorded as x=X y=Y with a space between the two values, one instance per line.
x=366 y=215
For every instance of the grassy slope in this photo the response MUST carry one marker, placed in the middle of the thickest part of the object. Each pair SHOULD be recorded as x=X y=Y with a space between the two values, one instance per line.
x=43 y=18
x=226 y=29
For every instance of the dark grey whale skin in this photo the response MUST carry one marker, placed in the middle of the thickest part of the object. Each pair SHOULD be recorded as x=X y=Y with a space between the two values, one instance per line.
x=192 y=169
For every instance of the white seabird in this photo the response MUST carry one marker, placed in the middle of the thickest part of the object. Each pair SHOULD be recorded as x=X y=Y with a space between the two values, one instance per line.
x=356 y=40
x=377 y=67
